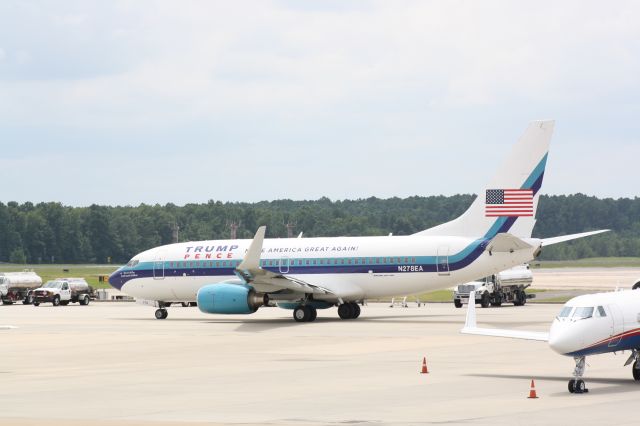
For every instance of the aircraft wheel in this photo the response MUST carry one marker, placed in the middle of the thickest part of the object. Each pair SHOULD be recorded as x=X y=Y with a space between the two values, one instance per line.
x=313 y=313
x=162 y=313
x=345 y=311
x=636 y=371
x=572 y=386
x=301 y=314
x=580 y=386
x=356 y=310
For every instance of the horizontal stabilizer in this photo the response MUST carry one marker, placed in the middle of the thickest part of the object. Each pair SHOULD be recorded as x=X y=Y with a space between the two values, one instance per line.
x=556 y=240
x=505 y=242
x=470 y=327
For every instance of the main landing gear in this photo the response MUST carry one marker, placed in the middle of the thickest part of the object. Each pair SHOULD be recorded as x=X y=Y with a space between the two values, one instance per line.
x=305 y=313
x=349 y=310
x=576 y=385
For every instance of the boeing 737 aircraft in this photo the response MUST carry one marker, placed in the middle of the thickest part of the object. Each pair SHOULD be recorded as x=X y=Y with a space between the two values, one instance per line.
x=306 y=274
x=587 y=325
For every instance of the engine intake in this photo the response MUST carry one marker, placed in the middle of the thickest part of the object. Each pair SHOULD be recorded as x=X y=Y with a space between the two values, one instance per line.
x=227 y=298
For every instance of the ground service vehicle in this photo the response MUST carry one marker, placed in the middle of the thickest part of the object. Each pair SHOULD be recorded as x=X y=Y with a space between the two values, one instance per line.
x=504 y=287
x=16 y=286
x=61 y=291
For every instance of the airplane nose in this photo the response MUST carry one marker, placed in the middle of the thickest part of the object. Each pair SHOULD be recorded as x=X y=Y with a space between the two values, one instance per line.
x=115 y=280
x=560 y=339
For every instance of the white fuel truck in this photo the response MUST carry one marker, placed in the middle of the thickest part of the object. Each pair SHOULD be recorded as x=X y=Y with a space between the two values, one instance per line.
x=504 y=287
x=18 y=286
x=62 y=291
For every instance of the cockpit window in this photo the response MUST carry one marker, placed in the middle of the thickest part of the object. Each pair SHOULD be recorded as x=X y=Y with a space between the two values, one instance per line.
x=600 y=312
x=132 y=263
x=582 y=313
x=565 y=311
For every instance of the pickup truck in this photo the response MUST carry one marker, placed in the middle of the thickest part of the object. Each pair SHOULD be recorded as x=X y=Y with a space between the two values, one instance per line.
x=61 y=291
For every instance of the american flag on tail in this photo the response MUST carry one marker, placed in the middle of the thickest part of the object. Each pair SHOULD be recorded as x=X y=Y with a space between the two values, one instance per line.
x=509 y=202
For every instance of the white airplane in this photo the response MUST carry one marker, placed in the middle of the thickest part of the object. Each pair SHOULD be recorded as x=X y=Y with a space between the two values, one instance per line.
x=587 y=325
x=305 y=274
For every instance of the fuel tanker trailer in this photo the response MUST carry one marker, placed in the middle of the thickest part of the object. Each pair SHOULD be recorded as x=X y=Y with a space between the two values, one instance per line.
x=18 y=286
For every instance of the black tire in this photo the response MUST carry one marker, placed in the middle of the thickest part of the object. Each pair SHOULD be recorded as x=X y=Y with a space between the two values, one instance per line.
x=523 y=299
x=572 y=386
x=64 y=302
x=580 y=386
x=161 y=313
x=28 y=300
x=185 y=304
x=345 y=311
x=313 y=313
x=457 y=303
x=84 y=301
x=36 y=303
x=7 y=302
x=484 y=300
x=636 y=286
x=496 y=300
x=635 y=370
x=56 y=301
x=356 y=310
x=301 y=314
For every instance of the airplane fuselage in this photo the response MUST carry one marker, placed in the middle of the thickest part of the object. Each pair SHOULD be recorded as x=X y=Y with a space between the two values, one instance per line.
x=352 y=268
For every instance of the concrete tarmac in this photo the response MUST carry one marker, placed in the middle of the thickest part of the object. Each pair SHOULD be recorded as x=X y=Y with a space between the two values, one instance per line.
x=112 y=364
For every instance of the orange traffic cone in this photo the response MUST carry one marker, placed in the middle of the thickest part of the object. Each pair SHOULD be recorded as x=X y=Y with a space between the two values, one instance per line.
x=532 y=391
x=424 y=366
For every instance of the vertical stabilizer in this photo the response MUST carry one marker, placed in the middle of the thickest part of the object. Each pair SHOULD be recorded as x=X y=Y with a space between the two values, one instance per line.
x=509 y=201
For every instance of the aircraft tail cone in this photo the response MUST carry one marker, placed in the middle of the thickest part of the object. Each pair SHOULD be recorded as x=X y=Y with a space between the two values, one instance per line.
x=424 y=366
x=532 y=391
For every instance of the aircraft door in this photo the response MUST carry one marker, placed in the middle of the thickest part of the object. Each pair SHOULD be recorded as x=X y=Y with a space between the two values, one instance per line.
x=158 y=269
x=442 y=260
x=284 y=265
x=617 y=325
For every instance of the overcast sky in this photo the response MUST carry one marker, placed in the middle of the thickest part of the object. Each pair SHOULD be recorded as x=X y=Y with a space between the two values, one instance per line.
x=124 y=102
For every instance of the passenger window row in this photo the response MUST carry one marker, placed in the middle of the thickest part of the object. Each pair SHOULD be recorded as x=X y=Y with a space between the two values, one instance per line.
x=297 y=262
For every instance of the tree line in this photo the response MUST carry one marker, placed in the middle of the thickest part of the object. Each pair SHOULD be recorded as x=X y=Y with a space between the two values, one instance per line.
x=54 y=233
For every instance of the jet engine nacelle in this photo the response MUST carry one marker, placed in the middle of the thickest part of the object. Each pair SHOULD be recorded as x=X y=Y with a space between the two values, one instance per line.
x=229 y=298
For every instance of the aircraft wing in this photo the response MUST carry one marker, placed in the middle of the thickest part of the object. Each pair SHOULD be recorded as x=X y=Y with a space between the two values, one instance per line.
x=470 y=327
x=249 y=271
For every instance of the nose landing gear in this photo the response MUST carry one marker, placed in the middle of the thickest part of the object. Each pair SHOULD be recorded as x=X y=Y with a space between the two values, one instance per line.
x=577 y=385
x=162 y=313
